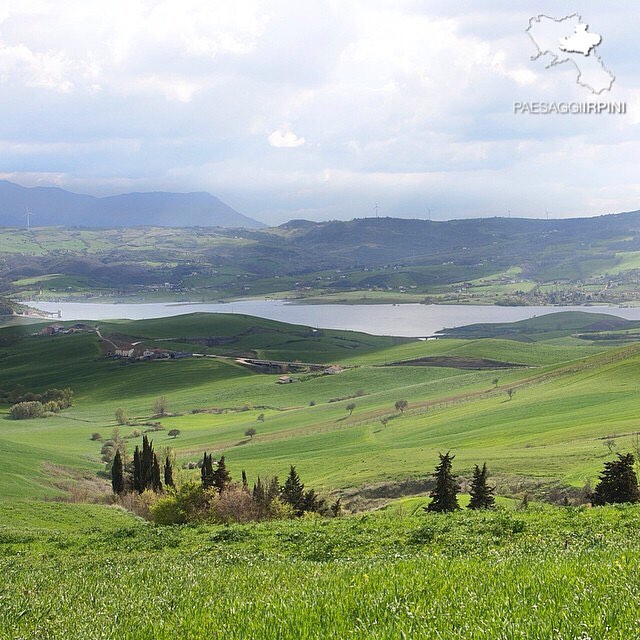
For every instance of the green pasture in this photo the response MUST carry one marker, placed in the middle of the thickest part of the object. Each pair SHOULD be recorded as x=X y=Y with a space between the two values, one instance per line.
x=569 y=397
x=533 y=575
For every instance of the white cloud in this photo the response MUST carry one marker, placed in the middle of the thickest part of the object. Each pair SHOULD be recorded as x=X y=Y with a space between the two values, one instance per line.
x=283 y=137
x=408 y=103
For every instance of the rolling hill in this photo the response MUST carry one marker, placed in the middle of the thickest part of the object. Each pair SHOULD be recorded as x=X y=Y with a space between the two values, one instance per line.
x=52 y=206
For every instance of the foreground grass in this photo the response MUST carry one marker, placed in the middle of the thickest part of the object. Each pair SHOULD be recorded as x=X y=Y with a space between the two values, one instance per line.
x=555 y=573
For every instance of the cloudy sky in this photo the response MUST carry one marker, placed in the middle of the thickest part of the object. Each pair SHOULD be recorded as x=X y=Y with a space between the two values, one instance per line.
x=317 y=109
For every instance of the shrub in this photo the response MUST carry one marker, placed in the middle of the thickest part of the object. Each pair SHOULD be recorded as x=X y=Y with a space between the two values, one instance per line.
x=27 y=410
x=96 y=436
x=174 y=433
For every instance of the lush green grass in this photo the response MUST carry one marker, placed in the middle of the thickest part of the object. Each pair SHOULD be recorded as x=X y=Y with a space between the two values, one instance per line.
x=560 y=573
x=569 y=397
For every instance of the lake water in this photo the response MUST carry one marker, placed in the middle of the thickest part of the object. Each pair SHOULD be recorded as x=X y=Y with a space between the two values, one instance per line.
x=410 y=320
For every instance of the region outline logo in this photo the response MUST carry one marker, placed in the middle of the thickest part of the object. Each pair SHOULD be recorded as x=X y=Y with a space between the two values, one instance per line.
x=567 y=40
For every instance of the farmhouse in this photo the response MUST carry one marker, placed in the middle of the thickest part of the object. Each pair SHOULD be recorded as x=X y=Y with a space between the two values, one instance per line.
x=333 y=369
x=285 y=380
x=52 y=330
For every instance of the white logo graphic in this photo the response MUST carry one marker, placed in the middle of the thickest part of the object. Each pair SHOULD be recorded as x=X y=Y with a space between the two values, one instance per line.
x=568 y=39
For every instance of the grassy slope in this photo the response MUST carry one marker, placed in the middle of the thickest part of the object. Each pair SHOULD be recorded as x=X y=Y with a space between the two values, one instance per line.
x=552 y=428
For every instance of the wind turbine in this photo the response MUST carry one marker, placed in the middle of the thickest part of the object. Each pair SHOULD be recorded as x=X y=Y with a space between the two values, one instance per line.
x=27 y=215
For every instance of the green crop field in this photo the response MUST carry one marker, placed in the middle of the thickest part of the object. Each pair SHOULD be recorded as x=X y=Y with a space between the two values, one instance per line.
x=94 y=571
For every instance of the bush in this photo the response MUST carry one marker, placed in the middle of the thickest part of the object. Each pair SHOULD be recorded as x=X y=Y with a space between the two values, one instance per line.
x=190 y=503
x=174 y=433
x=96 y=436
x=27 y=410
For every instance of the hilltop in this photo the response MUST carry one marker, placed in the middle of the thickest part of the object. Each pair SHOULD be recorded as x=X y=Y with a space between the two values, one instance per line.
x=52 y=206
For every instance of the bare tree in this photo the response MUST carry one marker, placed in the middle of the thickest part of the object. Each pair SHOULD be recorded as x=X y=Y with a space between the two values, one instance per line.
x=160 y=406
x=350 y=407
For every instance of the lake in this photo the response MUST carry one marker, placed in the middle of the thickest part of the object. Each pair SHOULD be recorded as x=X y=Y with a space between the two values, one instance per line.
x=409 y=320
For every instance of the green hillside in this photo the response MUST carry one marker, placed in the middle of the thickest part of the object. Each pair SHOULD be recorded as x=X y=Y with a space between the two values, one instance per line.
x=76 y=568
x=569 y=396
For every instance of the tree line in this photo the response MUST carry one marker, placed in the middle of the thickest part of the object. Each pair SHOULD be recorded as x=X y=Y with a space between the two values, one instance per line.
x=216 y=498
x=27 y=404
x=617 y=484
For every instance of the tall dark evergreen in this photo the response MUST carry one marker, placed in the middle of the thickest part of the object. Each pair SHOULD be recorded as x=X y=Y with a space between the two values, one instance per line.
x=444 y=496
x=312 y=502
x=221 y=476
x=293 y=491
x=137 y=471
x=168 y=473
x=146 y=463
x=207 y=471
x=481 y=493
x=259 y=493
x=146 y=470
x=617 y=482
x=117 y=474
x=156 y=482
x=245 y=482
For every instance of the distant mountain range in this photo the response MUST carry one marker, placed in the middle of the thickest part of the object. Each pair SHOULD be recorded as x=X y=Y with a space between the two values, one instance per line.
x=51 y=206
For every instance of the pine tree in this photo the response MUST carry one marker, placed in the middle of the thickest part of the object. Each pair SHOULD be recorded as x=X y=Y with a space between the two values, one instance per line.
x=156 y=483
x=207 y=471
x=117 y=474
x=481 y=492
x=311 y=502
x=168 y=473
x=137 y=471
x=617 y=482
x=293 y=491
x=444 y=495
x=221 y=477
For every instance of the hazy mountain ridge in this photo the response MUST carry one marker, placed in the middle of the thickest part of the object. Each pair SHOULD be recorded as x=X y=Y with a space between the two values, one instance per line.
x=52 y=206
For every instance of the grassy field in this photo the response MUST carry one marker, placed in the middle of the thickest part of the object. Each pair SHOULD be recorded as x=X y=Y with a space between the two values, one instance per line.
x=552 y=573
x=569 y=396
x=94 y=571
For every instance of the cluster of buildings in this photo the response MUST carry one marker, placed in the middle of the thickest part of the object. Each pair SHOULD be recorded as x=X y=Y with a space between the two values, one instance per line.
x=137 y=351
x=59 y=329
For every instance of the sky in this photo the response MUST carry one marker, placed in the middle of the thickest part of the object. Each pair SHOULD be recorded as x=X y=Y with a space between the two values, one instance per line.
x=318 y=109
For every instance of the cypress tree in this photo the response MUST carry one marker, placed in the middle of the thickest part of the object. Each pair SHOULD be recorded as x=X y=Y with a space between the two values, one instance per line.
x=156 y=483
x=168 y=473
x=259 y=494
x=137 y=471
x=293 y=491
x=117 y=474
x=444 y=496
x=481 y=492
x=146 y=464
x=221 y=477
x=207 y=471
x=617 y=482
x=245 y=482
